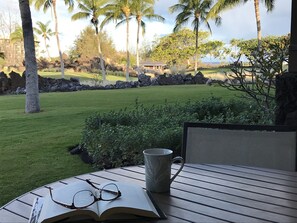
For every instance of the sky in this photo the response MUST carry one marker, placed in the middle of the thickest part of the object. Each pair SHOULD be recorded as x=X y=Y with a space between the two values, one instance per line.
x=237 y=23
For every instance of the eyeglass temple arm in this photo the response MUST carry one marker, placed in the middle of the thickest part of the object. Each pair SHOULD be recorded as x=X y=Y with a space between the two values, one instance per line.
x=57 y=202
x=102 y=189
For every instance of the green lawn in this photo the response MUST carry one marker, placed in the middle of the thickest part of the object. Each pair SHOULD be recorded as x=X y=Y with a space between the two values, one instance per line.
x=33 y=147
x=89 y=77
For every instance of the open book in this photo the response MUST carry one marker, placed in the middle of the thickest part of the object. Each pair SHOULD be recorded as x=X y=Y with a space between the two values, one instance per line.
x=134 y=203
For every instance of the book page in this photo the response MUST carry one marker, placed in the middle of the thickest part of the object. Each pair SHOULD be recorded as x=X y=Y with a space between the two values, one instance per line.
x=133 y=201
x=52 y=210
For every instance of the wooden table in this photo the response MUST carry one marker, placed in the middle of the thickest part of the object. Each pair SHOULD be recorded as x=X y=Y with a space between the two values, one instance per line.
x=201 y=193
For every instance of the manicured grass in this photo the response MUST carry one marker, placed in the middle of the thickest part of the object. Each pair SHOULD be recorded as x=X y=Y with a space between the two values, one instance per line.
x=215 y=70
x=90 y=77
x=33 y=147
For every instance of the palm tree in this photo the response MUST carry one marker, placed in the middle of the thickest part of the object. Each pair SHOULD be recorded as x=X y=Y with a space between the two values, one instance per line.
x=46 y=4
x=32 y=91
x=143 y=9
x=120 y=10
x=198 y=9
x=93 y=9
x=45 y=32
x=223 y=5
x=17 y=36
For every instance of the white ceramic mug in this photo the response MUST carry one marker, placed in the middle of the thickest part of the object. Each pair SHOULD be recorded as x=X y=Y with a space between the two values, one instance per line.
x=158 y=163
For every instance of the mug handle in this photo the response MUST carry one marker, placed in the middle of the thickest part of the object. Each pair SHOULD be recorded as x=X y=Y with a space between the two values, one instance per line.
x=182 y=162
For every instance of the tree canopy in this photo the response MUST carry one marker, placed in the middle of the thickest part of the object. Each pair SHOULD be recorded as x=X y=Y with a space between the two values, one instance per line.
x=85 y=45
x=179 y=47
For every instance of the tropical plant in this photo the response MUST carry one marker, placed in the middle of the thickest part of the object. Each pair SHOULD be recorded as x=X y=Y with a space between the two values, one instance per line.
x=32 y=91
x=143 y=9
x=223 y=5
x=17 y=37
x=45 y=32
x=120 y=10
x=46 y=4
x=198 y=9
x=257 y=81
x=93 y=9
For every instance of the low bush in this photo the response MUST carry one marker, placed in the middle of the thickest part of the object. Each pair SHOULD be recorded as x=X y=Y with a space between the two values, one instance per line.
x=117 y=138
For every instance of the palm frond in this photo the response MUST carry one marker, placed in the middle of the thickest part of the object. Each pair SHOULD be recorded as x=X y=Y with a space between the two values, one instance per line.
x=143 y=27
x=80 y=15
x=269 y=4
x=177 y=7
x=70 y=4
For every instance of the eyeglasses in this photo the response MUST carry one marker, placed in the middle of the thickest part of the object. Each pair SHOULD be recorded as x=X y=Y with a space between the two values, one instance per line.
x=85 y=198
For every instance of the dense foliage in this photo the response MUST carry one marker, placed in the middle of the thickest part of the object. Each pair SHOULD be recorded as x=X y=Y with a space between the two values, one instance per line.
x=86 y=47
x=118 y=138
x=248 y=47
x=179 y=47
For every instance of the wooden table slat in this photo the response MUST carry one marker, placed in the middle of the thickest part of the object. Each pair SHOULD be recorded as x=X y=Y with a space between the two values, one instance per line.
x=185 y=214
x=258 y=171
x=250 y=180
x=244 y=172
x=10 y=217
x=20 y=208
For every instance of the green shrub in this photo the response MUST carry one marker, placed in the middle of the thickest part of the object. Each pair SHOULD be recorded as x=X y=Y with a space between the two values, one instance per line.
x=117 y=138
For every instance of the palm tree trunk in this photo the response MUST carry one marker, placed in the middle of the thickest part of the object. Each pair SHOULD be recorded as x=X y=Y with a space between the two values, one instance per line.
x=48 y=54
x=101 y=60
x=258 y=20
x=196 y=50
x=57 y=37
x=127 y=49
x=32 y=91
x=101 y=57
x=137 y=43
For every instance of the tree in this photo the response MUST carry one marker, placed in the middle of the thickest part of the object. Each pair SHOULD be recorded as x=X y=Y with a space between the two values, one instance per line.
x=85 y=45
x=9 y=20
x=223 y=5
x=32 y=91
x=93 y=9
x=46 y=4
x=179 y=47
x=18 y=36
x=257 y=81
x=120 y=10
x=45 y=32
x=143 y=9
x=193 y=8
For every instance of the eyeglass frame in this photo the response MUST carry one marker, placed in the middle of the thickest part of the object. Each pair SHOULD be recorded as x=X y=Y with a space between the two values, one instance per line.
x=72 y=206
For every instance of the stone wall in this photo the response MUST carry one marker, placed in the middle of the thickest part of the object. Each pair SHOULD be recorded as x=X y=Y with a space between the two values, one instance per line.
x=15 y=83
x=177 y=79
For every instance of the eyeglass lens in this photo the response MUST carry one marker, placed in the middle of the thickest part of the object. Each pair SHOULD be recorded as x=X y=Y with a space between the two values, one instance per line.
x=83 y=198
x=109 y=192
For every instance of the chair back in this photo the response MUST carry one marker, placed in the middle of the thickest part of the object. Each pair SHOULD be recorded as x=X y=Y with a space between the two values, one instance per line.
x=250 y=145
